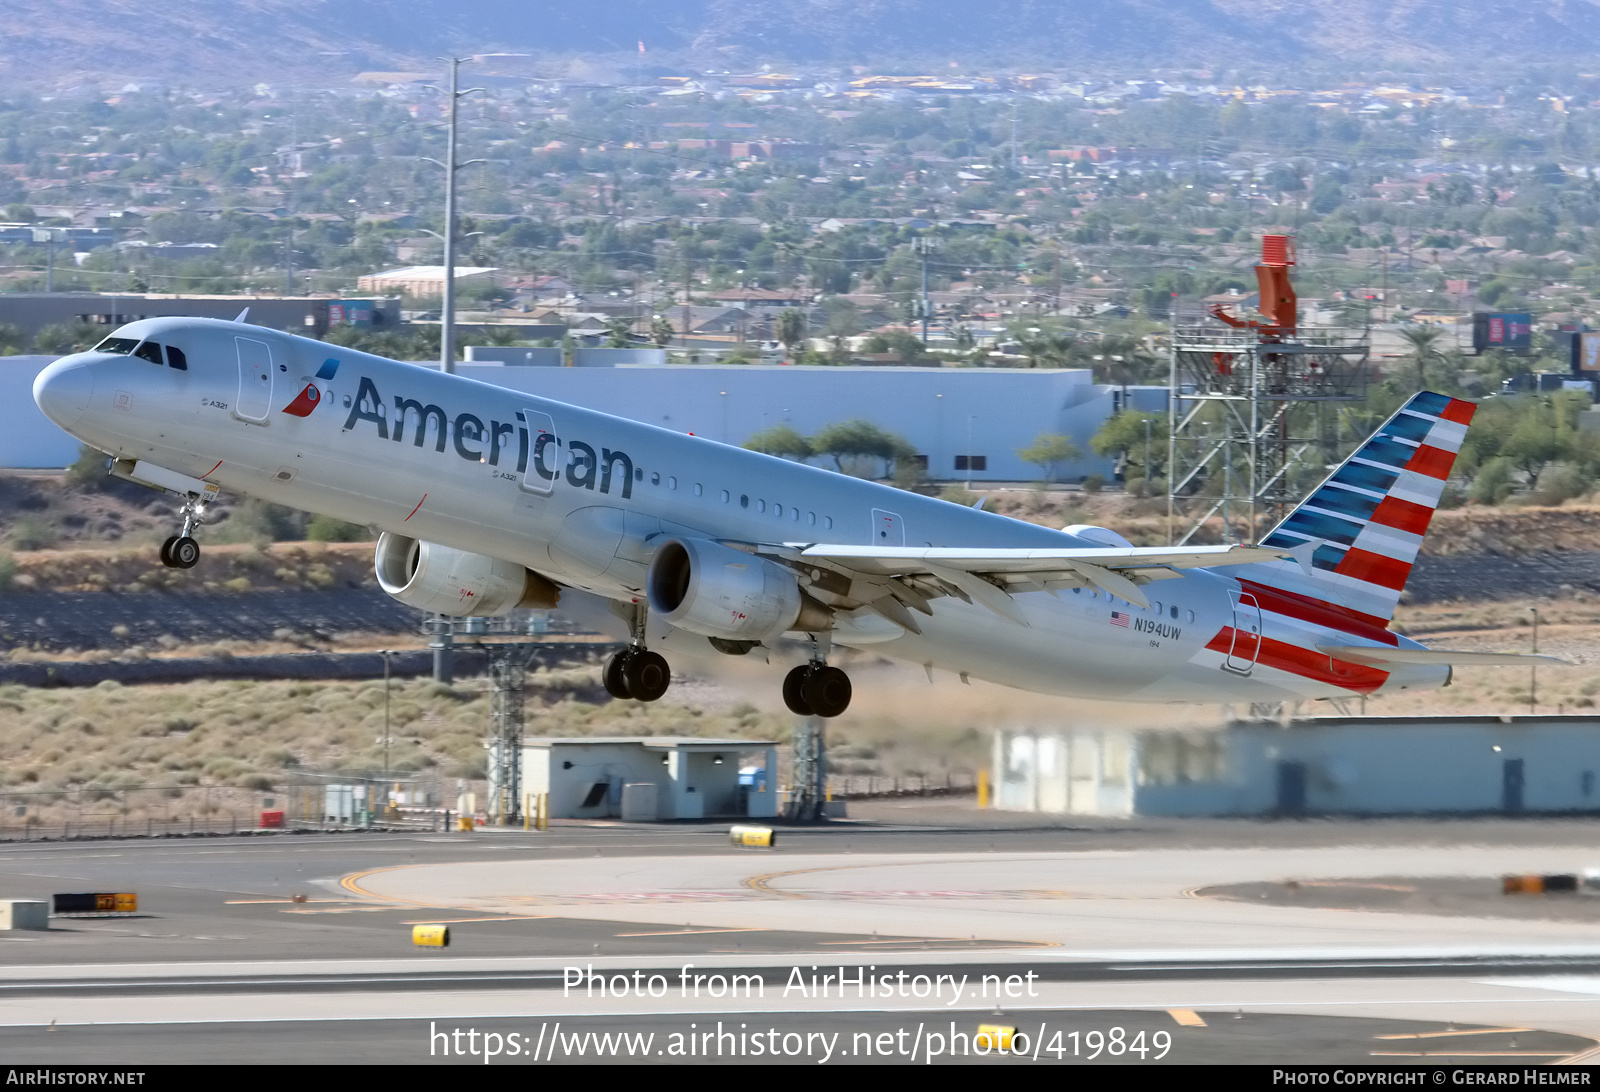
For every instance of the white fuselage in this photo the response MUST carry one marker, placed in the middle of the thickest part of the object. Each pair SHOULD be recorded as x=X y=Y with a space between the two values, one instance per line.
x=449 y=460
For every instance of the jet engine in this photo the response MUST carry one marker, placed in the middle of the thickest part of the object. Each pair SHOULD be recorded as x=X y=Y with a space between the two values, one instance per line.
x=444 y=580
x=716 y=591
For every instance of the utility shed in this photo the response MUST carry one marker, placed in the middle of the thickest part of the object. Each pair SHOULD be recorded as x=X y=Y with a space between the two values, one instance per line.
x=1320 y=765
x=691 y=778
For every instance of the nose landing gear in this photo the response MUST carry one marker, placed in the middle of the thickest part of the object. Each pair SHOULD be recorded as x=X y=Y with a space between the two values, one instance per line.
x=181 y=551
x=636 y=672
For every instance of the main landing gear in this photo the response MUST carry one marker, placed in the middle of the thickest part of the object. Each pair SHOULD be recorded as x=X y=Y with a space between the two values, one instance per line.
x=815 y=689
x=181 y=551
x=636 y=672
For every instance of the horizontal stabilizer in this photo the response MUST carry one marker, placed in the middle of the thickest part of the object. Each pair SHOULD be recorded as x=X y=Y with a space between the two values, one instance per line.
x=1442 y=657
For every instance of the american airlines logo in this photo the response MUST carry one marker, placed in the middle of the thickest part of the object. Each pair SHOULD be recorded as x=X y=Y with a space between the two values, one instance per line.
x=490 y=442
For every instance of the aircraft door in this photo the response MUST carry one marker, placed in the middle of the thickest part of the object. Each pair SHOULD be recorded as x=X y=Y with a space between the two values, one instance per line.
x=539 y=452
x=887 y=529
x=1246 y=633
x=254 y=403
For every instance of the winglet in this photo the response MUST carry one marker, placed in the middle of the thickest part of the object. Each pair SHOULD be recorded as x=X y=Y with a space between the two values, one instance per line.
x=978 y=504
x=242 y=315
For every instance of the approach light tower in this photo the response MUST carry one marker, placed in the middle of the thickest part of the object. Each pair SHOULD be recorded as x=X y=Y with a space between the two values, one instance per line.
x=1247 y=401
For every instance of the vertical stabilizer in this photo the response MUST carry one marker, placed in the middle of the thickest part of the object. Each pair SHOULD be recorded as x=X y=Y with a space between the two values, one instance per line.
x=1360 y=531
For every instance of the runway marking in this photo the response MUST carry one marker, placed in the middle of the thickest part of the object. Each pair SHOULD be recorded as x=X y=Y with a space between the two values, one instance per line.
x=946 y=942
x=275 y=902
x=352 y=883
x=1470 y=1054
x=1447 y=1034
x=1189 y=1018
x=459 y=921
x=686 y=932
x=348 y=910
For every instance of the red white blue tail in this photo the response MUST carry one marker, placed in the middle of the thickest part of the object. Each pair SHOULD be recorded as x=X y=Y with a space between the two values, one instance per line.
x=1364 y=525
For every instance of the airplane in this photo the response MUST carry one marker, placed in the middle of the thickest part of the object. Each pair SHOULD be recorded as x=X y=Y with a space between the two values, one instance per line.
x=488 y=499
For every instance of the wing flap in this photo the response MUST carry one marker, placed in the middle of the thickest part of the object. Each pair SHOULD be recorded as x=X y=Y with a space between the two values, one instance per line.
x=910 y=560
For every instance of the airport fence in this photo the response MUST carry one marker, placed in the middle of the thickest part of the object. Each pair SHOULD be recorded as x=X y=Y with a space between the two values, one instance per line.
x=876 y=786
x=306 y=802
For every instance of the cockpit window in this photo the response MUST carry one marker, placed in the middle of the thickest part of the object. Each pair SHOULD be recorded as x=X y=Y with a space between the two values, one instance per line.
x=149 y=351
x=122 y=345
x=176 y=359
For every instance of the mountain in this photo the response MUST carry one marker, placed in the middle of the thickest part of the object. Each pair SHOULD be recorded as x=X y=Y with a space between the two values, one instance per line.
x=57 y=42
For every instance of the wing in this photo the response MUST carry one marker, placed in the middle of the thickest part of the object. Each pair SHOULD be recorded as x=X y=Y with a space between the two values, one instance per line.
x=893 y=581
x=1368 y=654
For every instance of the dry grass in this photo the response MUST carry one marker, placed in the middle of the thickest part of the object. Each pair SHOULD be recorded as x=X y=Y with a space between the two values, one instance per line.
x=226 y=568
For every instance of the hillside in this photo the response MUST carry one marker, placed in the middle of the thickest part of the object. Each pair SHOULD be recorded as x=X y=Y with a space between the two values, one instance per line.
x=106 y=43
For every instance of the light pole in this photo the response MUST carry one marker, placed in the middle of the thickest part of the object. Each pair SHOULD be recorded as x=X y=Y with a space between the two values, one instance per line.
x=1533 y=672
x=1146 y=467
x=447 y=313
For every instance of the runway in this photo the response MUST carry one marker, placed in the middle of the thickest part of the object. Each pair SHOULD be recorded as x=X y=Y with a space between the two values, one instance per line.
x=904 y=921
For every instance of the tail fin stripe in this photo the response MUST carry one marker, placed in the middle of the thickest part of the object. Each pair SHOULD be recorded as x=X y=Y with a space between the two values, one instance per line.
x=1365 y=476
x=1447 y=436
x=1432 y=461
x=1429 y=402
x=1408 y=426
x=1458 y=411
x=1382 y=449
x=1401 y=545
x=1386 y=572
x=1403 y=515
x=1318 y=525
x=1344 y=502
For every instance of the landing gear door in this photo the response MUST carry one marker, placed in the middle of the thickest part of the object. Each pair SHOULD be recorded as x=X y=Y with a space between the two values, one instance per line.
x=887 y=529
x=254 y=403
x=538 y=452
x=1246 y=634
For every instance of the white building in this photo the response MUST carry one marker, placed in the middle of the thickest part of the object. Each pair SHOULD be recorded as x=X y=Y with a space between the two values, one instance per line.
x=650 y=777
x=1323 y=765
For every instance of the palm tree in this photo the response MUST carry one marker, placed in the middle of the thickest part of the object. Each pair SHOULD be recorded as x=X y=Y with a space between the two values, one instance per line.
x=1423 y=351
x=791 y=329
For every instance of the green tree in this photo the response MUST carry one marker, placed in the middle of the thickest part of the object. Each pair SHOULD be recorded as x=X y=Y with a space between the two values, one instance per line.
x=1048 y=451
x=781 y=440
x=619 y=334
x=791 y=329
x=1423 y=351
x=661 y=331
x=62 y=338
x=861 y=440
x=1123 y=437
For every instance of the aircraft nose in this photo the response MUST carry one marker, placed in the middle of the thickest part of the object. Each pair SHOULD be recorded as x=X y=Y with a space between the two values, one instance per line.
x=64 y=390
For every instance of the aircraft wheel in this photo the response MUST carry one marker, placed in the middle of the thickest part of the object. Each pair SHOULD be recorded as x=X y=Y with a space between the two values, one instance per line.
x=827 y=691
x=166 y=552
x=794 y=691
x=614 y=677
x=648 y=675
x=184 y=553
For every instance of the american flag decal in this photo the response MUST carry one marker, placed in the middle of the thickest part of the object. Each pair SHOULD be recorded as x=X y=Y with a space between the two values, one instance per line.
x=1118 y=618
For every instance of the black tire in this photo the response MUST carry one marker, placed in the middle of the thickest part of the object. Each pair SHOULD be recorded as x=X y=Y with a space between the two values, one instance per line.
x=184 y=552
x=166 y=552
x=614 y=676
x=794 y=685
x=648 y=675
x=827 y=691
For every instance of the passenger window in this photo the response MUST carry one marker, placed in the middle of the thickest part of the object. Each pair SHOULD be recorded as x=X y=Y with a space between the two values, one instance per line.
x=655 y=479
x=120 y=345
x=1191 y=616
x=827 y=523
x=761 y=506
x=1174 y=612
x=1156 y=606
x=176 y=360
x=149 y=351
x=698 y=489
x=725 y=496
x=794 y=514
x=638 y=473
x=777 y=510
x=744 y=500
x=811 y=518
x=672 y=483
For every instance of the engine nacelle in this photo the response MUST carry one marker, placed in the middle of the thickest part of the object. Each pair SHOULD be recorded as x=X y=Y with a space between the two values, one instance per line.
x=716 y=591
x=445 y=580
